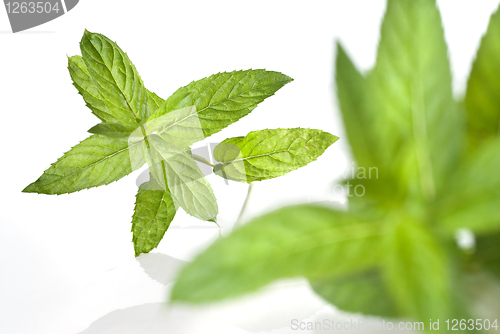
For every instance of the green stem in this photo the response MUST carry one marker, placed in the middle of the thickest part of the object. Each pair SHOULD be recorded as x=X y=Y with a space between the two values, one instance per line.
x=202 y=160
x=244 y=208
x=152 y=172
x=145 y=136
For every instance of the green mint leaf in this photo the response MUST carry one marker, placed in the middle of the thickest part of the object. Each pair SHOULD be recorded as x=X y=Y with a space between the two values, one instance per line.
x=417 y=272
x=310 y=241
x=266 y=154
x=224 y=98
x=359 y=293
x=116 y=78
x=352 y=96
x=112 y=130
x=177 y=170
x=154 y=211
x=371 y=175
x=482 y=100
x=180 y=127
x=85 y=86
x=473 y=195
x=411 y=97
x=95 y=161
x=154 y=102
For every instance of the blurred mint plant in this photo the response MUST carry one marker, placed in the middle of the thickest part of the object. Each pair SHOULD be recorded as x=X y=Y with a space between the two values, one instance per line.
x=394 y=252
x=139 y=127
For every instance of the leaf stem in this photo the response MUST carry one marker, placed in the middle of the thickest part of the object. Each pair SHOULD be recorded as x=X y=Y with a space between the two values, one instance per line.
x=244 y=208
x=152 y=173
x=145 y=136
x=202 y=160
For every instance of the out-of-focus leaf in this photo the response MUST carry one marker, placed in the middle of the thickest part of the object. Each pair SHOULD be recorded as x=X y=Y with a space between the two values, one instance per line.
x=482 y=99
x=374 y=193
x=266 y=154
x=488 y=253
x=402 y=120
x=351 y=94
x=360 y=293
x=224 y=98
x=473 y=194
x=411 y=100
x=154 y=211
x=307 y=240
x=417 y=272
x=483 y=291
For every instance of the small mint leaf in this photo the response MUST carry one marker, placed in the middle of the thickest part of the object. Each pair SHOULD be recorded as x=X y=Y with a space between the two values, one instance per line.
x=266 y=154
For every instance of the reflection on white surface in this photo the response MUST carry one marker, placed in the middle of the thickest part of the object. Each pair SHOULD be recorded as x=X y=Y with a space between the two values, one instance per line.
x=271 y=309
x=160 y=267
x=268 y=311
x=155 y=318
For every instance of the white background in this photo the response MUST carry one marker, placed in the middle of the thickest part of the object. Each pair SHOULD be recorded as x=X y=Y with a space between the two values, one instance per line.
x=67 y=261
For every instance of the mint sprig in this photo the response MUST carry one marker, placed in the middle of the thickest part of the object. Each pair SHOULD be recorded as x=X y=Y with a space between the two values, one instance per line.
x=138 y=127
